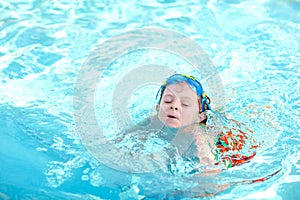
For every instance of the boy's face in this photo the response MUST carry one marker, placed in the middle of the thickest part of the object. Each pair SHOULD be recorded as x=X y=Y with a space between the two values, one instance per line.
x=179 y=106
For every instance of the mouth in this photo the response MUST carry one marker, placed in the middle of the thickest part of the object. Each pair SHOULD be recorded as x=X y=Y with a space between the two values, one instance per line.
x=172 y=116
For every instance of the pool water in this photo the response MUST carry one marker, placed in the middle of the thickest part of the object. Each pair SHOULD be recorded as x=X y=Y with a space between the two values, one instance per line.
x=254 y=45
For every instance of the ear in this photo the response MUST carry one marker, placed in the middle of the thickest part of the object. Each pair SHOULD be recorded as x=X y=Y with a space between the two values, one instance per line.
x=201 y=117
x=157 y=107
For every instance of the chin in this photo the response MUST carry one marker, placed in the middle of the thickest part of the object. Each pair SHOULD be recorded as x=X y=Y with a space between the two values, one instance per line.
x=173 y=125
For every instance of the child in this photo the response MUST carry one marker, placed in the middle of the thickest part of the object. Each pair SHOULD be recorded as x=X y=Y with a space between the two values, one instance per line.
x=183 y=105
x=182 y=101
x=183 y=109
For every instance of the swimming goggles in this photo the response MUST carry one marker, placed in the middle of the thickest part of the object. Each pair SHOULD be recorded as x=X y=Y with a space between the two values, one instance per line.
x=194 y=84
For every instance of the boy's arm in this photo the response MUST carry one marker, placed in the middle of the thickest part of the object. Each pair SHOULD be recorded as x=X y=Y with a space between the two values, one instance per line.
x=206 y=146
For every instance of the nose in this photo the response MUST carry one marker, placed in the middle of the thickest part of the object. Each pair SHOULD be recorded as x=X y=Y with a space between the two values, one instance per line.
x=174 y=106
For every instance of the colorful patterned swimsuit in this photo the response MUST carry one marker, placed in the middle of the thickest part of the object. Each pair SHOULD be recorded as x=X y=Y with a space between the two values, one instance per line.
x=234 y=148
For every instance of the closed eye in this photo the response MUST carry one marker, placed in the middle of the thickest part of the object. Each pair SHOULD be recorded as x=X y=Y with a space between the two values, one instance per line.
x=168 y=99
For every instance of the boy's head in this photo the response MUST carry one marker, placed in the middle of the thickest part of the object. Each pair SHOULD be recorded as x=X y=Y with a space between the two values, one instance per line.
x=182 y=101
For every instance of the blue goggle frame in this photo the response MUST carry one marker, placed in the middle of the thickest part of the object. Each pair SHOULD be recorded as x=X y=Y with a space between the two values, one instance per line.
x=194 y=84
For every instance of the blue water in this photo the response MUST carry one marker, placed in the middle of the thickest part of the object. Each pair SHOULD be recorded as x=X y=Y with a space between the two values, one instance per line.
x=254 y=45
